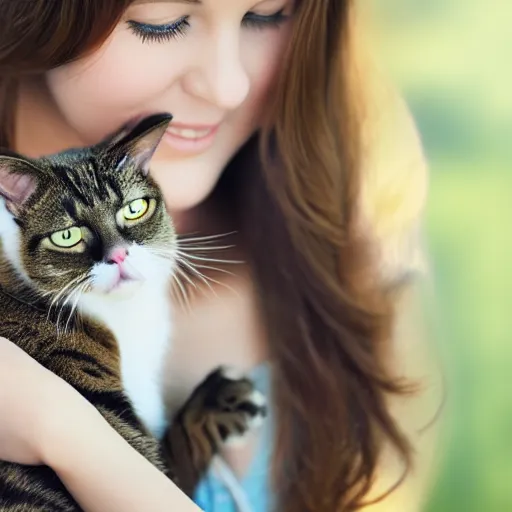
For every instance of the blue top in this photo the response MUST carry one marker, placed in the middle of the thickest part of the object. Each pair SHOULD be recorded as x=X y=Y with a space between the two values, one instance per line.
x=220 y=491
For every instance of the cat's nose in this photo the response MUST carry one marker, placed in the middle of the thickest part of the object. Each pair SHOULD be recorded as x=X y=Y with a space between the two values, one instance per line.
x=117 y=255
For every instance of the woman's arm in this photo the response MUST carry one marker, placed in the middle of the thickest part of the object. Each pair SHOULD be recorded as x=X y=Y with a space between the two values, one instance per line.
x=43 y=420
x=105 y=474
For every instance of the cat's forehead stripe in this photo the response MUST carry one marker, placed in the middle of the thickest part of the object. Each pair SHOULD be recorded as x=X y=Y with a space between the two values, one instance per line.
x=70 y=182
x=87 y=183
x=70 y=206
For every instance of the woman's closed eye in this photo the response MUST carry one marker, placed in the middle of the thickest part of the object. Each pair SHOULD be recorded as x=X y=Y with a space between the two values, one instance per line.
x=253 y=20
x=160 y=33
x=149 y=32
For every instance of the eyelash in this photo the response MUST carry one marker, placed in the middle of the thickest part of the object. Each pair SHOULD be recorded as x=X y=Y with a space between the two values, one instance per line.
x=161 y=33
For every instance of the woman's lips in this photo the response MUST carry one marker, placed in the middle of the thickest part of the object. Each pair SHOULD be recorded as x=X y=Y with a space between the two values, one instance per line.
x=190 y=138
x=185 y=138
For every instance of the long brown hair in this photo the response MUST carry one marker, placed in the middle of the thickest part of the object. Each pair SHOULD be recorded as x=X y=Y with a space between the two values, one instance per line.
x=327 y=317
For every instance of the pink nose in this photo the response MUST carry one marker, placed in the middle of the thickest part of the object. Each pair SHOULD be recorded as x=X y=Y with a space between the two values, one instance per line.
x=118 y=255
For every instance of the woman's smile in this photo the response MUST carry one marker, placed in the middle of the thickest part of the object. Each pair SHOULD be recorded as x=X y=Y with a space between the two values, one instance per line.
x=190 y=139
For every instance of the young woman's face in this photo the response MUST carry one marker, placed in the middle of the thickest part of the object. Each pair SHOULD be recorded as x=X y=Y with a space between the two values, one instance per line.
x=209 y=62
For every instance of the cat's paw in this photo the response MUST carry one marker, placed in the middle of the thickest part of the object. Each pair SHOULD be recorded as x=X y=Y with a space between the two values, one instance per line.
x=229 y=405
x=222 y=410
x=242 y=407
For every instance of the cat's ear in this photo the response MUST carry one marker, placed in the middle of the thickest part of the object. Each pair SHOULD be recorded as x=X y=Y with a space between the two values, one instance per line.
x=139 y=141
x=18 y=181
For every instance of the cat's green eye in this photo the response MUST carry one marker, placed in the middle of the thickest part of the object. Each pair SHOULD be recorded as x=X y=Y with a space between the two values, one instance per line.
x=136 y=209
x=67 y=238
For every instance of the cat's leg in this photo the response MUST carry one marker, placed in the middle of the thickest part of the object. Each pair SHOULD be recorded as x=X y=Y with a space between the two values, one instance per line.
x=33 y=489
x=223 y=408
x=25 y=507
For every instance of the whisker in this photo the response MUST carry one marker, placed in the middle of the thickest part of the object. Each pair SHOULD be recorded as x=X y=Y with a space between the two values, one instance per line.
x=220 y=283
x=197 y=273
x=185 y=238
x=185 y=276
x=80 y=289
x=208 y=279
x=183 y=298
x=76 y=282
x=61 y=293
x=204 y=248
x=211 y=260
x=216 y=269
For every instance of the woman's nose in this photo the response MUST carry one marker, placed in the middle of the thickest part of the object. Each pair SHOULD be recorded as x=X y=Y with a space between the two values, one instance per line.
x=220 y=78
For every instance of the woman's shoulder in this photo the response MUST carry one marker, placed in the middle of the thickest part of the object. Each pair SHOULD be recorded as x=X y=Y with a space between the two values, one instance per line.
x=394 y=175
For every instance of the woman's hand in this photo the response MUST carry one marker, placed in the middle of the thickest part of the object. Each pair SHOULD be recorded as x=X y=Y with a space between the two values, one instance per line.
x=43 y=420
x=32 y=401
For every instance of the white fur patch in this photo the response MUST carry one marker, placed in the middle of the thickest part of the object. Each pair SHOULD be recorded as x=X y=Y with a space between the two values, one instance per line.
x=139 y=316
x=231 y=373
x=253 y=422
x=10 y=236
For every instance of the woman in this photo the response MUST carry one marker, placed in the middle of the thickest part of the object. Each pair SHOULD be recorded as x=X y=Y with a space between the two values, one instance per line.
x=268 y=139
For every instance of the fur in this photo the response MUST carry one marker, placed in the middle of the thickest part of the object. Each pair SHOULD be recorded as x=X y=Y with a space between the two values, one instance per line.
x=97 y=312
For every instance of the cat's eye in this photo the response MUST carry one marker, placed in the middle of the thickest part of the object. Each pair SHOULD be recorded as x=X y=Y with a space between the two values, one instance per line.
x=135 y=212
x=67 y=238
x=136 y=209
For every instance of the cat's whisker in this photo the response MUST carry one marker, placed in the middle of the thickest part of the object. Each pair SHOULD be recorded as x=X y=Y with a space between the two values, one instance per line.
x=220 y=283
x=211 y=260
x=79 y=291
x=182 y=297
x=176 y=253
x=166 y=255
x=188 y=238
x=49 y=293
x=62 y=274
x=182 y=273
x=76 y=293
x=216 y=269
x=60 y=294
x=202 y=248
x=76 y=282
x=195 y=268
x=70 y=315
x=198 y=274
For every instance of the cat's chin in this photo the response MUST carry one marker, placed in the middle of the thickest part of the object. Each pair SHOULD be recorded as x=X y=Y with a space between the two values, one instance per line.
x=122 y=289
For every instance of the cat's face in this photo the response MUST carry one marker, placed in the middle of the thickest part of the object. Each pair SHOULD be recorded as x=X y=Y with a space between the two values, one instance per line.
x=90 y=221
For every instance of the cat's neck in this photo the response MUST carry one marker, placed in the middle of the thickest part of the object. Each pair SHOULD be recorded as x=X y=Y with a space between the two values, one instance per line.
x=142 y=327
x=13 y=286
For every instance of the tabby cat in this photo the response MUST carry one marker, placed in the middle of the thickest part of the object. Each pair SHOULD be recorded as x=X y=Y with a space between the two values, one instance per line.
x=87 y=252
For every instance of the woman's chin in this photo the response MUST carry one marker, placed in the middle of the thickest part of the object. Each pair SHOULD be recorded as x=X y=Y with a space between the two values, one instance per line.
x=186 y=184
x=181 y=201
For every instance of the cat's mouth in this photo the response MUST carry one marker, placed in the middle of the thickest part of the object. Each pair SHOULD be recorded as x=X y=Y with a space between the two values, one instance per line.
x=119 y=283
x=114 y=278
x=122 y=280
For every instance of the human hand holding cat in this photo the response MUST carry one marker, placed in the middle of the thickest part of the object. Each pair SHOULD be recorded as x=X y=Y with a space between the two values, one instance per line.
x=43 y=420
x=33 y=403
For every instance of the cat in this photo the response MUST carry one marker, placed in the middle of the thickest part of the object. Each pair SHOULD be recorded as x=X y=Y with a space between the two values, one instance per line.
x=87 y=253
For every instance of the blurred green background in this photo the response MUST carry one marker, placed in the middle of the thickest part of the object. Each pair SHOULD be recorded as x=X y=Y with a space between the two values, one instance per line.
x=451 y=59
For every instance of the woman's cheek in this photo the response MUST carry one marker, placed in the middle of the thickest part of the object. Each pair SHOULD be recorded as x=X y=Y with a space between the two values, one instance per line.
x=263 y=55
x=97 y=94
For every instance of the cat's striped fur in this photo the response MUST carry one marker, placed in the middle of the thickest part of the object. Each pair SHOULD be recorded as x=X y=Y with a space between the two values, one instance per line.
x=89 y=186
